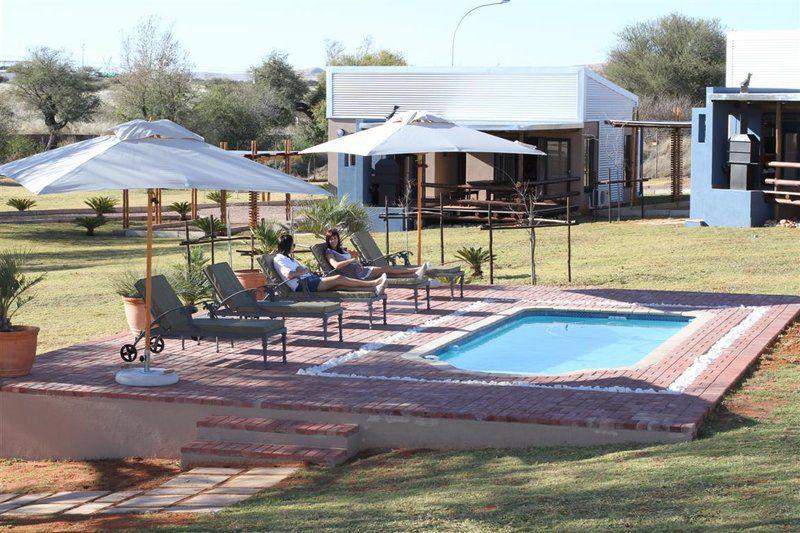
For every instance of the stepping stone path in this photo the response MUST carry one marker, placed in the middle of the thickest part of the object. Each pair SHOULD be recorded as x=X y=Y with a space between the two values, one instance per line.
x=200 y=490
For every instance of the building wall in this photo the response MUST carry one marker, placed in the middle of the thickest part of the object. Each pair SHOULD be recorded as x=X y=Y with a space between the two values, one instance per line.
x=334 y=160
x=604 y=102
x=772 y=56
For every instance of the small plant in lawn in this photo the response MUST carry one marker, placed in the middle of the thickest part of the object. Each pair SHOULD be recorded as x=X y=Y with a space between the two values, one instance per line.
x=188 y=279
x=21 y=204
x=14 y=285
x=182 y=208
x=101 y=205
x=475 y=258
x=204 y=225
x=266 y=235
x=91 y=223
x=214 y=196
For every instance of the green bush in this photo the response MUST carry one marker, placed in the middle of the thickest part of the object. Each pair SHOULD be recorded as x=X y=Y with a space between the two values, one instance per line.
x=266 y=235
x=182 y=208
x=475 y=258
x=190 y=283
x=204 y=225
x=124 y=283
x=101 y=205
x=19 y=146
x=317 y=217
x=91 y=223
x=21 y=204
x=14 y=285
x=214 y=196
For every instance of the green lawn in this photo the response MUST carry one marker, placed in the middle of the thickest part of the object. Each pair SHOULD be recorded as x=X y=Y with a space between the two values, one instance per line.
x=627 y=254
x=743 y=472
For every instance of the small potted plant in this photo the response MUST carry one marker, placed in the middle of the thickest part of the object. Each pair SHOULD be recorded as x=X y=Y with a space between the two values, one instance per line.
x=17 y=342
x=133 y=303
x=265 y=235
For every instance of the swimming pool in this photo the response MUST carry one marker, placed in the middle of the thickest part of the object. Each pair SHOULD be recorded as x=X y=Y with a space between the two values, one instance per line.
x=541 y=342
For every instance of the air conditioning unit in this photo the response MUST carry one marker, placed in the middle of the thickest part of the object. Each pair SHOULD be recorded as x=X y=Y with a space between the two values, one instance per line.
x=599 y=198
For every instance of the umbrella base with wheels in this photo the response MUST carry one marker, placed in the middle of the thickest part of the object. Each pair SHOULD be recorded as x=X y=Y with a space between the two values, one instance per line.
x=139 y=377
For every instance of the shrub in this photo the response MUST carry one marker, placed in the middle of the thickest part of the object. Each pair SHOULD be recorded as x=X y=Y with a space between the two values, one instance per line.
x=317 y=217
x=266 y=235
x=190 y=283
x=204 y=225
x=91 y=223
x=182 y=208
x=475 y=258
x=21 y=204
x=19 y=146
x=101 y=205
x=214 y=196
x=124 y=283
x=14 y=285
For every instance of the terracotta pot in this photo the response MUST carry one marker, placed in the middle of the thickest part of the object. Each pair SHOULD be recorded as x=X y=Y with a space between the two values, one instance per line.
x=17 y=351
x=135 y=314
x=251 y=279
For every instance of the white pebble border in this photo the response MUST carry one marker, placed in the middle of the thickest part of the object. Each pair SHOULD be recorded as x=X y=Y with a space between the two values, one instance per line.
x=678 y=386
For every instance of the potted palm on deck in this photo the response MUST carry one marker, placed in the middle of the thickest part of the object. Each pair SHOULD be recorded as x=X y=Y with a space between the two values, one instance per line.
x=17 y=342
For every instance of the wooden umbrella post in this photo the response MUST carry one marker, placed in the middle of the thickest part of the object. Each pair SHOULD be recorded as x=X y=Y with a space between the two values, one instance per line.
x=148 y=283
x=491 y=248
x=287 y=168
x=126 y=209
x=194 y=204
x=253 y=195
x=441 y=229
x=569 y=241
x=386 y=216
x=420 y=171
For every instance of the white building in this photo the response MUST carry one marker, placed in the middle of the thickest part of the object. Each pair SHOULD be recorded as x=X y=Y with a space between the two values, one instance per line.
x=561 y=110
x=771 y=56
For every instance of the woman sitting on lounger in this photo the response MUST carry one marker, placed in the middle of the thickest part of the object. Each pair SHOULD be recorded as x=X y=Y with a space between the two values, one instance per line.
x=344 y=261
x=291 y=271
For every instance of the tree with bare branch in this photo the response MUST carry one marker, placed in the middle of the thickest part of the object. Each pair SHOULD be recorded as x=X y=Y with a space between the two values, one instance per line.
x=51 y=85
x=156 y=78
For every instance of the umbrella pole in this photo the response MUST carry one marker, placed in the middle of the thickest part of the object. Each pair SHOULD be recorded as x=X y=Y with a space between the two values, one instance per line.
x=420 y=169
x=148 y=277
x=228 y=231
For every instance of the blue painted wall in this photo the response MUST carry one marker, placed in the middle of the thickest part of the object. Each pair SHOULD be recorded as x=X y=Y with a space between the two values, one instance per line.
x=711 y=199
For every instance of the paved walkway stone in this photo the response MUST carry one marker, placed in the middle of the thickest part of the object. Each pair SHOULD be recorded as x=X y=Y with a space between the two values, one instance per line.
x=201 y=490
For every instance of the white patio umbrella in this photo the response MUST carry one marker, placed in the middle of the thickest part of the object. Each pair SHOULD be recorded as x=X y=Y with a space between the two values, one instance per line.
x=148 y=155
x=420 y=132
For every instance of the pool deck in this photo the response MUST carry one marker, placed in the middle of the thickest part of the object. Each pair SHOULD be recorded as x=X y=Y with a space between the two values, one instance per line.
x=371 y=376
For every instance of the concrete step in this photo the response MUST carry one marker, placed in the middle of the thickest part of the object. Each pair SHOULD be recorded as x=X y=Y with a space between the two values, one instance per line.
x=224 y=453
x=275 y=431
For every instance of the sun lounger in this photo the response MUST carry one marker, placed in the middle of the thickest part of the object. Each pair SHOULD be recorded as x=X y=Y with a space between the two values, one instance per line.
x=371 y=255
x=284 y=293
x=233 y=299
x=415 y=284
x=175 y=320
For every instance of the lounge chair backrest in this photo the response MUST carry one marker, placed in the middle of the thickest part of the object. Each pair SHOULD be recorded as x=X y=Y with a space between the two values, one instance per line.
x=318 y=251
x=368 y=248
x=267 y=266
x=225 y=283
x=163 y=299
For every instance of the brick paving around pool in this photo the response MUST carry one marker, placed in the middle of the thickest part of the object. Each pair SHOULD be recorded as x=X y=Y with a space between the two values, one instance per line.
x=370 y=371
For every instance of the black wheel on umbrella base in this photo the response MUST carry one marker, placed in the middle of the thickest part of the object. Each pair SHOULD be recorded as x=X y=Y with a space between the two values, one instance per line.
x=128 y=353
x=157 y=344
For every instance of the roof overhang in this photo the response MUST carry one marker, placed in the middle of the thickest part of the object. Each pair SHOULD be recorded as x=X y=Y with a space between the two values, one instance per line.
x=502 y=126
x=757 y=97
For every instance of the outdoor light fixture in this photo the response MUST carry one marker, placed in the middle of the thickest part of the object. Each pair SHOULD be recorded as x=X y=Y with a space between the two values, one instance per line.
x=453 y=43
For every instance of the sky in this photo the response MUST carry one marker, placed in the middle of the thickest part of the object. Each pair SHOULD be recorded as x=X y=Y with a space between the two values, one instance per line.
x=229 y=36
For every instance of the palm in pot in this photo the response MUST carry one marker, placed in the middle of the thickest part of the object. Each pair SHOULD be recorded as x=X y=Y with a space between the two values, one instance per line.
x=17 y=342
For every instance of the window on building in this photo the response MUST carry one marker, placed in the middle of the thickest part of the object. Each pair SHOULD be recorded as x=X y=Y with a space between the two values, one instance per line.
x=557 y=160
x=590 y=163
x=505 y=168
x=701 y=128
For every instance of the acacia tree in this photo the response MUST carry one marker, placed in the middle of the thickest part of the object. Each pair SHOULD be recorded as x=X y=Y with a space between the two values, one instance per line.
x=276 y=78
x=49 y=83
x=156 y=78
x=6 y=128
x=673 y=56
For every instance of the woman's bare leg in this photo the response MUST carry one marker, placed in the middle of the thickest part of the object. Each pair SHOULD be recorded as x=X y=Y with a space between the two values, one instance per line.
x=394 y=272
x=338 y=281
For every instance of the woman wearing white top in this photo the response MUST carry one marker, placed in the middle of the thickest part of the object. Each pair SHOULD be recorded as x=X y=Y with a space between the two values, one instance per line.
x=292 y=271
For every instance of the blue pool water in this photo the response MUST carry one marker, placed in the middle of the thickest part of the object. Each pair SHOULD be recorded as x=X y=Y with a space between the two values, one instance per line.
x=546 y=343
